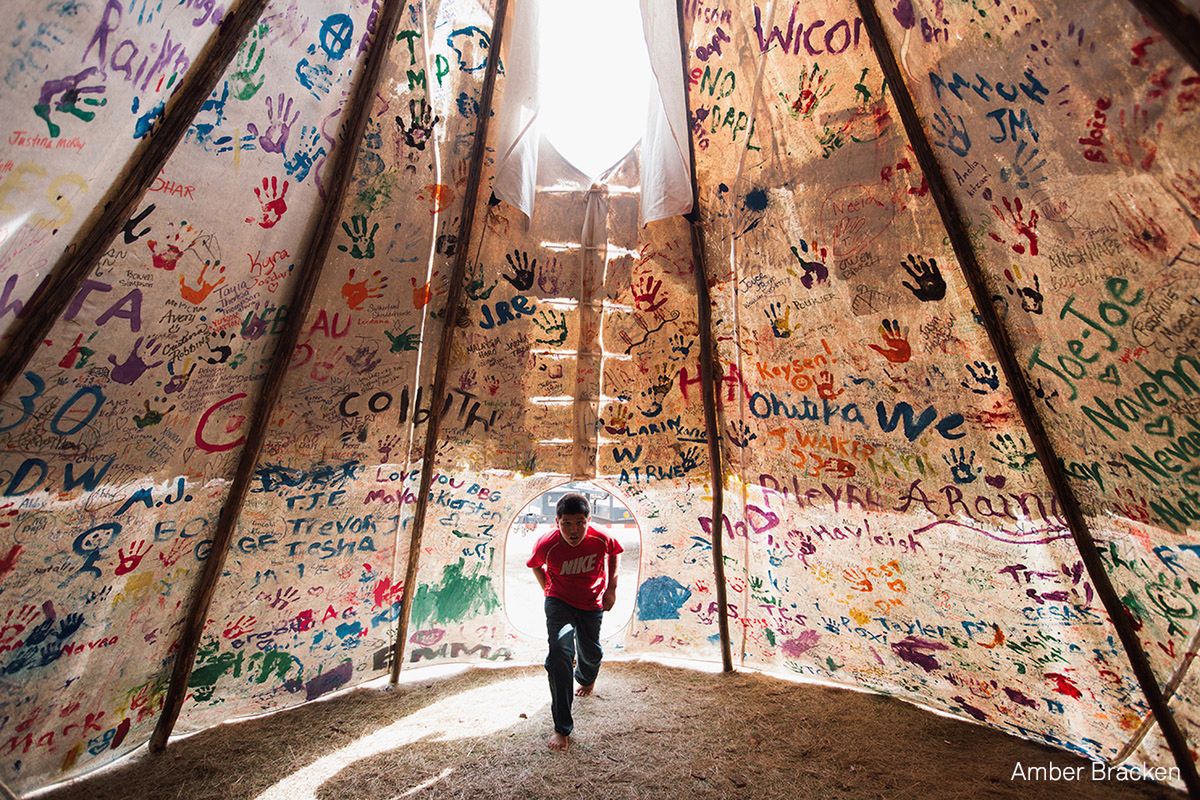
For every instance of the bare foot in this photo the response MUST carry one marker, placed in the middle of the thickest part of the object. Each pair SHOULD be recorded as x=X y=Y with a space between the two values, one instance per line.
x=584 y=691
x=559 y=742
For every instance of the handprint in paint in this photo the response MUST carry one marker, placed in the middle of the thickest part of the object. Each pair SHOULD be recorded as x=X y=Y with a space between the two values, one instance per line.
x=645 y=294
x=271 y=201
x=71 y=90
x=1012 y=453
x=983 y=380
x=358 y=292
x=962 y=466
x=418 y=130
x=554 y=325
x=278 y=125
x=165 y=254
x=897 y=350
x=810 y=91
x=362 y=242
x=196 y=295
x=930 y=283
x=781 y=327
x=245 y=79
x=1030 y=295
x=951 y=136
x=404 y=341
x=1026 y=228
x=812 y=262
x=523 y=273
x=133 y=367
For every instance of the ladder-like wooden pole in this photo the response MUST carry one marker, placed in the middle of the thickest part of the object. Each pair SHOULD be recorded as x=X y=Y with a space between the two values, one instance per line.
x=442 y=364
x=1048 y=459
x=52 y=296
x=308 y=275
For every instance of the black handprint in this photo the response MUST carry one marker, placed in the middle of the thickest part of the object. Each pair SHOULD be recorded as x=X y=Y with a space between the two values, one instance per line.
x=523 y=275
x=678 y=345
x=930 y=283
x=1031 y=296
x=988 y=377
x=1045 y=396
x=690 y=459
x=740 y=434
x=420 y=130
x=447 y=242
x=962 y=466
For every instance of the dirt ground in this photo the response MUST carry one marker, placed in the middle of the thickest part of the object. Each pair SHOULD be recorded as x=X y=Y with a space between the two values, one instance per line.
x=650 y=731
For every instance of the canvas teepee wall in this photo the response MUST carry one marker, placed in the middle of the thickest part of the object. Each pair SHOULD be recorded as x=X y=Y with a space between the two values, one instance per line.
x=887 y=521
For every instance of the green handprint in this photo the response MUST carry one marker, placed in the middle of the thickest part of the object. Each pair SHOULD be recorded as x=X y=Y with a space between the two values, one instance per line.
x=245 y=66
x=474 y=287
x=71 y=91
x=362 y=243
x=405 y=340
x=551 y=321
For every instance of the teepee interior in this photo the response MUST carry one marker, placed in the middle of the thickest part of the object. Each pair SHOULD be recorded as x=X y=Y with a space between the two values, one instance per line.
x=873 y=326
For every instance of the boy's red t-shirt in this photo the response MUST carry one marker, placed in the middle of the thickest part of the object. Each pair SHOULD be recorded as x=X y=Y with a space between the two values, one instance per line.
x=576 y=575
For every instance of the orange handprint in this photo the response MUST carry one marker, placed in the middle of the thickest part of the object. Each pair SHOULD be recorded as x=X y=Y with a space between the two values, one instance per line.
x=358 y=292
x=898 y=350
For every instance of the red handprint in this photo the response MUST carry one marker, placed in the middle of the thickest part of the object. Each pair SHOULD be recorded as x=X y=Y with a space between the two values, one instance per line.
x=173 y=555
x=270 y=197
x=9 y=560
x=240 y=627
x=825 y=388
x=810 y=91
x=167 y=255
x=424 y=293
x=1188 y=186
x=645 y=294
x=1020 y=225
x=129 y=562
x=1134 y=144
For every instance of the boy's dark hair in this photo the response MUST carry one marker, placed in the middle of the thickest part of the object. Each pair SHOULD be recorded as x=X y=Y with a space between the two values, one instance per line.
x=572 y=503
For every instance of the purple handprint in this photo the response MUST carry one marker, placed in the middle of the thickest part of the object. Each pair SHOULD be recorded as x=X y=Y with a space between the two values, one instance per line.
x=275 y=138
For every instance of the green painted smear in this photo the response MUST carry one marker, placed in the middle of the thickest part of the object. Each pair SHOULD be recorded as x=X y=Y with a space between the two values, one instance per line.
x=212 y=665
x=457 y=597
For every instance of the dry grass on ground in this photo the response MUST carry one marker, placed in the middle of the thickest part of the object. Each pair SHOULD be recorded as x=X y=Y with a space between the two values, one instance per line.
x=649 y=732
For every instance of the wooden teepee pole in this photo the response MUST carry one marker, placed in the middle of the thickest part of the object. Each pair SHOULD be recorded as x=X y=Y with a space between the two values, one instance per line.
x=1177 y=25
x=53 y=295
x=1005 y=353
x=309 y=274
x=707 y=374
x=442 y=364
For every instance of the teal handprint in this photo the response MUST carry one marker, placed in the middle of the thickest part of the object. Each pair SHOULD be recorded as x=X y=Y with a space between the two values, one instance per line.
x=362 y=243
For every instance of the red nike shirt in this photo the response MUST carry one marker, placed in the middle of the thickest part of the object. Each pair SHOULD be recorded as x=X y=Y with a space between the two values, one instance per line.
x=576 y=575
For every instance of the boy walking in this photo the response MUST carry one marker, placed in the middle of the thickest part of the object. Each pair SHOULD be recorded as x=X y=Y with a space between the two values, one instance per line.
x=576 y=566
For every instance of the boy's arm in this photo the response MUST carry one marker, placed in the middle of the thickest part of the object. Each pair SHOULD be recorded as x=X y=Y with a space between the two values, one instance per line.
x=540 y=574
x=610 y=594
